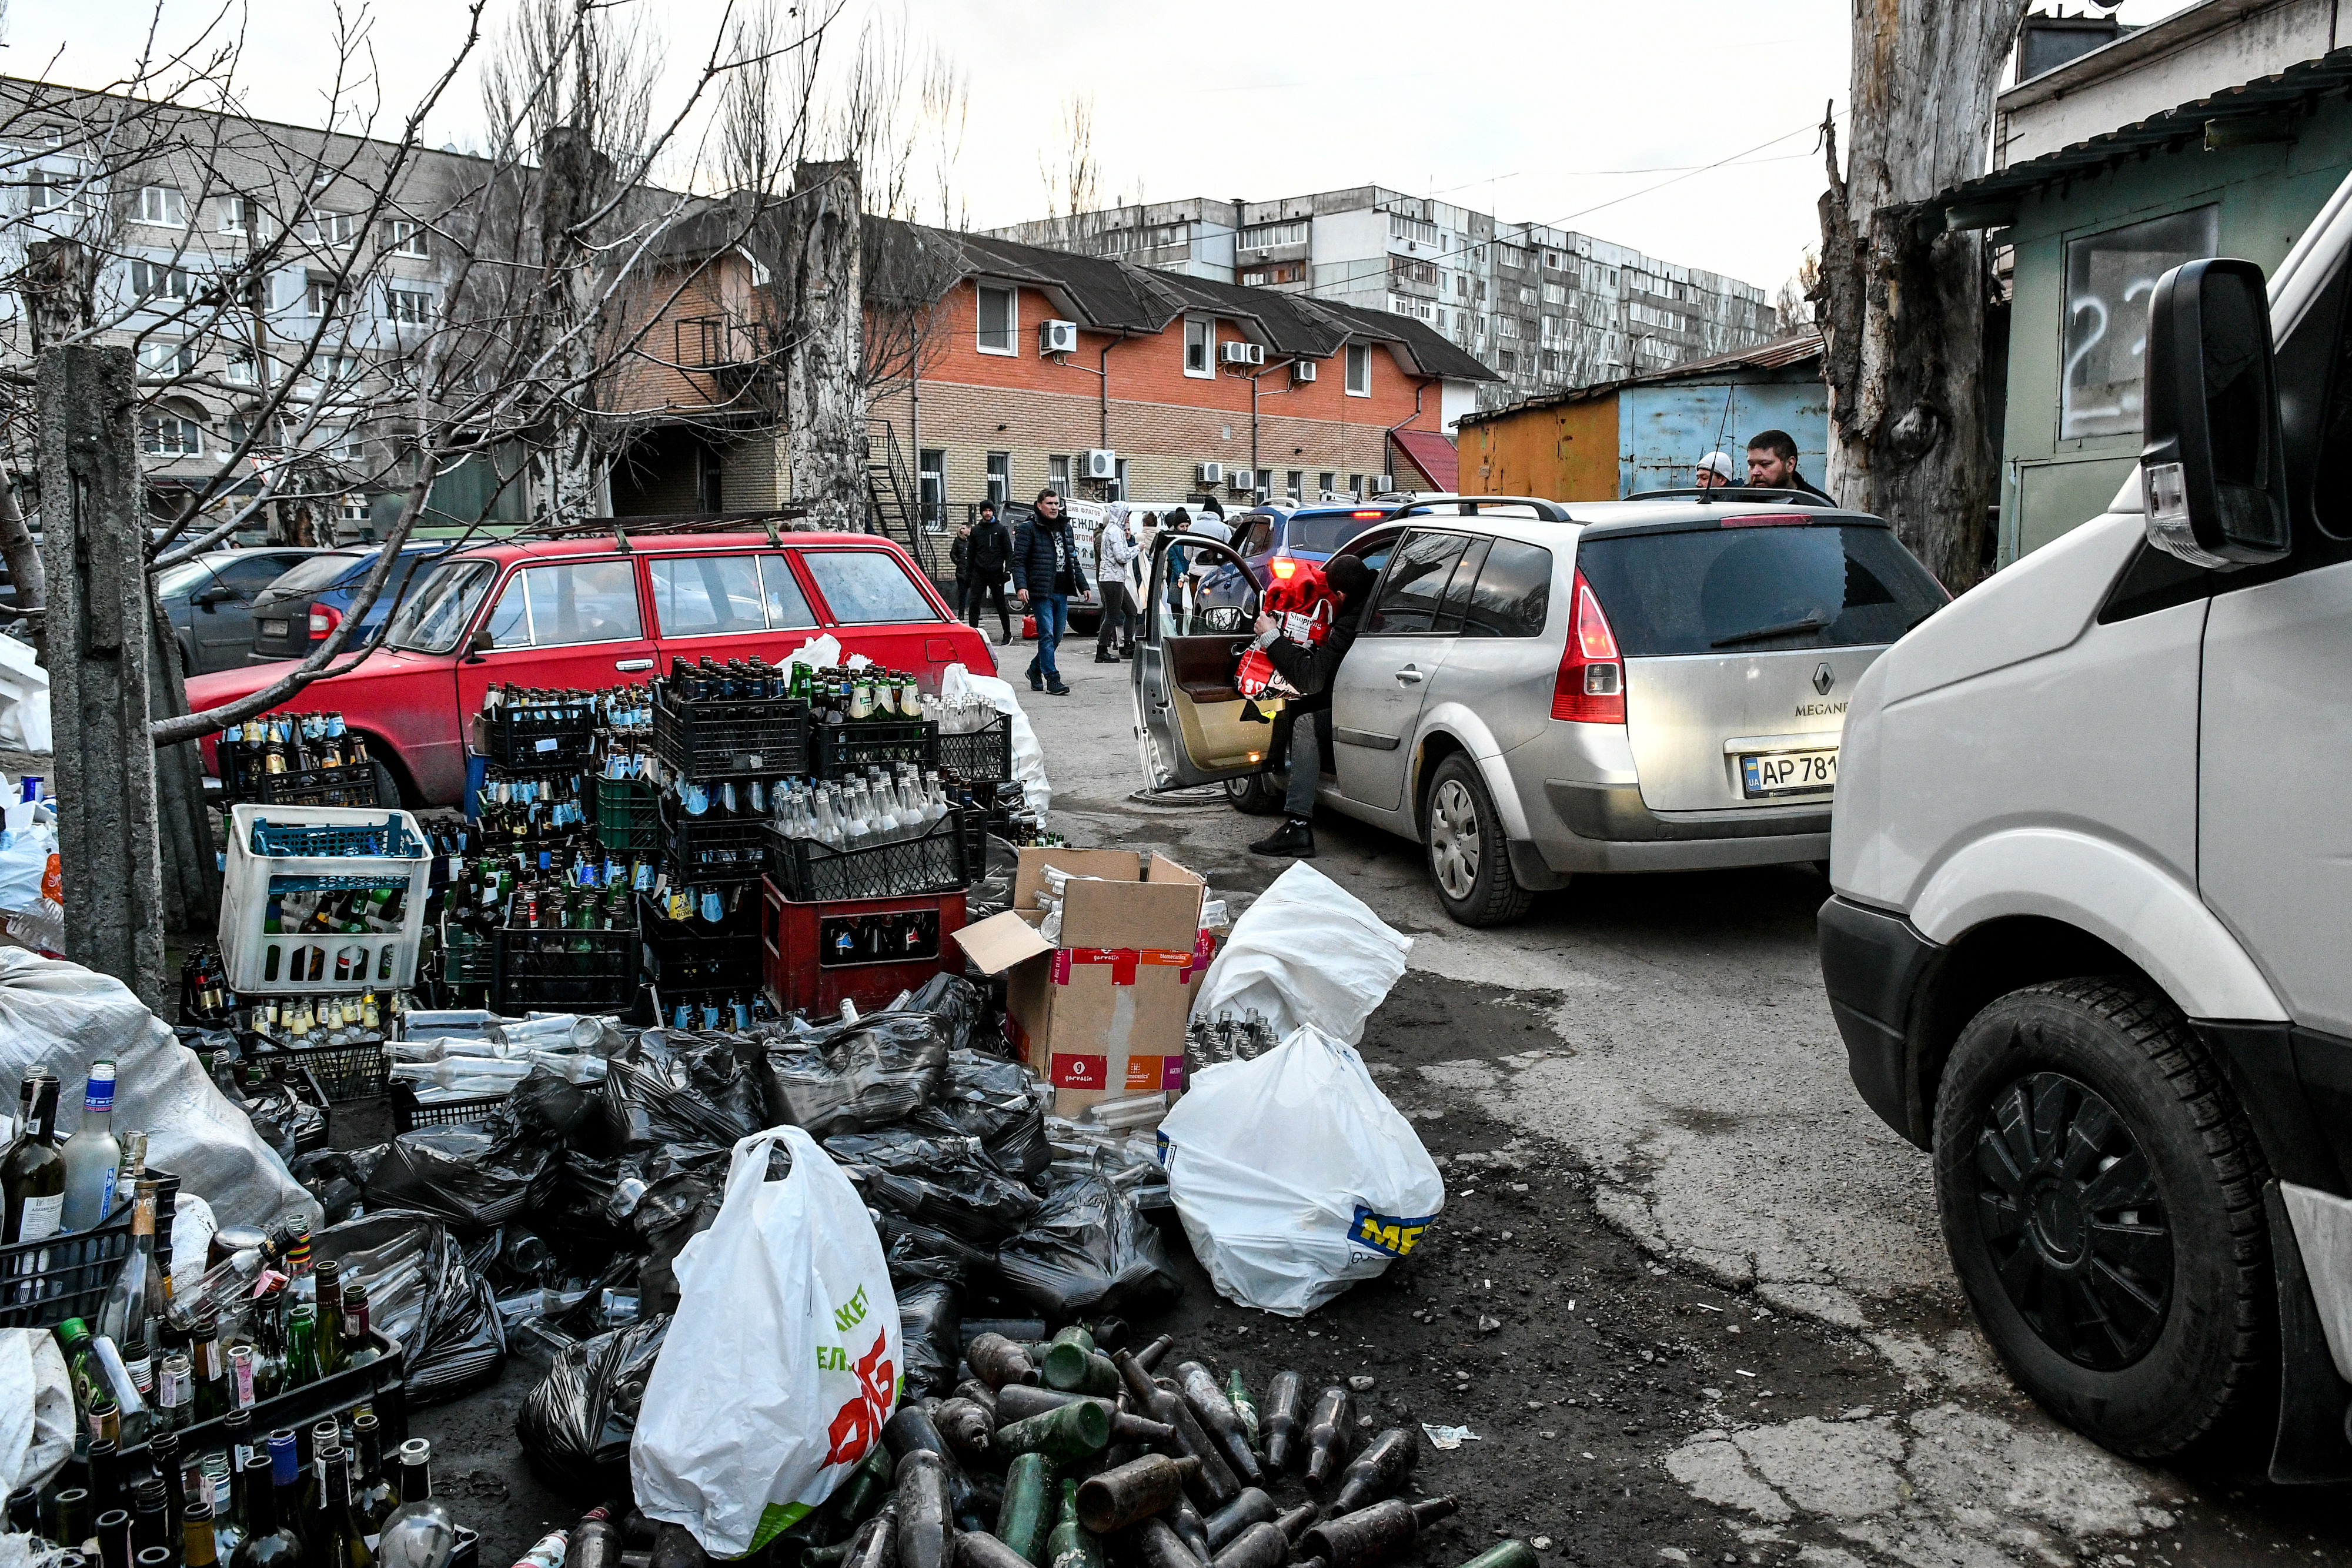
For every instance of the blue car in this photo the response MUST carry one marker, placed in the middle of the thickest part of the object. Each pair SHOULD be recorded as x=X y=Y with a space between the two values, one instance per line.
x=1265 y=538
x=301 y=608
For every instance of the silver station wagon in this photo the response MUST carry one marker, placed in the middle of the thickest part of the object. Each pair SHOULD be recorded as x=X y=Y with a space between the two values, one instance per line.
x=1540 y=688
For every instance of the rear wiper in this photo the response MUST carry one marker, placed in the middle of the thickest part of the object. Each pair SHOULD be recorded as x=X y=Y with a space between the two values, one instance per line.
x=1809 y=623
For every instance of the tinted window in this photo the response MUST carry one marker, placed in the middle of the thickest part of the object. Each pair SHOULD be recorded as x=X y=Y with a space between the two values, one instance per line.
x=787 y=605
x=248 y=575
x=1416 y=582
x=437 y=611
x=1513 y=592
x=701 y=596
x=1456 y=602
x=1323 y=534
x=319 y=571
x=866 y=587
x=1756 y=590
x=582 y=602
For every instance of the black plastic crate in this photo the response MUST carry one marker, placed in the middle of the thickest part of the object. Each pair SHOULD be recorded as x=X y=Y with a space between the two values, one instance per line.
x=342 y=1072
x=246 y=778
x=980 y=756
x=806 y=871
x=704 y=740
x=863 y=743
x=712 y=851
x=468 y=960
x=556 y=970
x=533 y=739
x=409 y=1113
x=43 y=1283
x=689 y=957
x=378 y=1385
x=628 y=813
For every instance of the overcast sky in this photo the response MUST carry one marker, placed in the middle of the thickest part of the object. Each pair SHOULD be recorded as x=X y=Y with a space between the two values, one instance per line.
x=1682 y=127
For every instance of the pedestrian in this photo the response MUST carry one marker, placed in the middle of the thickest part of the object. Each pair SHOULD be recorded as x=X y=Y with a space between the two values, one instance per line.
x=991 y=558
x=1772 y=465
x=1177 y=520
x=1047 y=572
x=1715 y=471
x=1114 y=548
x=1309 y=671
x=959 y=553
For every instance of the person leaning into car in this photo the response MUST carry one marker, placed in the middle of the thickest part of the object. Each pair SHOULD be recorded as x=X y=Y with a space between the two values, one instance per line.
x=1309 y=672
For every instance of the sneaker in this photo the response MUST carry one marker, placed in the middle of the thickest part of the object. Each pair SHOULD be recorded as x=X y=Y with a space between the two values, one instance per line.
x=1107 y=658
x=1295 y=838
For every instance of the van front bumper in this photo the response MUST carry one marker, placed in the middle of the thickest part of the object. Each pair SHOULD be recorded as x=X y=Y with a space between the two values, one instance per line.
x=1874 y=964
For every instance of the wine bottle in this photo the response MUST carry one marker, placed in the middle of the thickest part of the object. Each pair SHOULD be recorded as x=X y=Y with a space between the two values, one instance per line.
x=270 y=1542
x=32 y=1174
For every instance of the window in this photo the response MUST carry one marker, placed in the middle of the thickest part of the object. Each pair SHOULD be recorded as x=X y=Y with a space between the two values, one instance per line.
x=1555 y=294
x=349 y=443
x=509 y=623
x=167 y=358
x=335 y=370
x=1415 y=586
x=1118 y=484
x=431 y=620
x=787 y=606
x=170 y=436
x=1280 y=272
x=1417 y=231
x=1512 y=594
x=409 y=306
x=1403 y=269
x=1057 y=473
x=1359 y=369
x=163 y=204
x=1200 y=348
x=238 y=216
x=407 y=237
x=2109 y=277
x=704 y=596
x=1506 y=327
x=246 y=578
x=1510 y=256
x=570 y=601
x=1265 y=236
x=1824 y=586
x=47 y=191
x=243 y=369
x=1294 y=483
x=324 y=295
x=1000 y=477
x=1356 y=485
x=1323 y=483
x=999 y=320
x=155 y=280
x=866 y=587
x=331 y=228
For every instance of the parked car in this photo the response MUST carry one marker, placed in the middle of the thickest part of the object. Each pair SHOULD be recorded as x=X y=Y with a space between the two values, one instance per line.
x=306 y=605
x=588 y=612
x=2092 y=877
x=1265 y=536
x=1538 y=691
x=209 y=600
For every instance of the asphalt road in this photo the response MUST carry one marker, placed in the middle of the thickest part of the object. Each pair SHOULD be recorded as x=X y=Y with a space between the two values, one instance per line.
x=1656 y=1051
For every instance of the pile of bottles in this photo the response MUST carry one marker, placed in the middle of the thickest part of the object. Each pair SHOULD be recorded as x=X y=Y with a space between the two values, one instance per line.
x=513 y=806
x=294 y=742
x=205 y=995
x=540 y=706
x=751 y=680
x=1226 y=1039
x=296 y=1024
x=878 y=807
x=582 y=887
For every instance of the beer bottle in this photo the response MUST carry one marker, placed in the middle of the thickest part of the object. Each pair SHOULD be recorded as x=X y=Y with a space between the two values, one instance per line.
x=1123 y=1494
x=925 y=1517
x=1072 y=1544
x=1026 y=1517
x=1284 y=1399
x=1217 y=1417
x=1071 y=1433
x=1384 y=1530
x=1379 y=1472
x=1238 y=1396
x=1328 y=1434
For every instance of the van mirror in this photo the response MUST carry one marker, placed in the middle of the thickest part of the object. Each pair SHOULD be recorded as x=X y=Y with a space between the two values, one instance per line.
x=2213 y=471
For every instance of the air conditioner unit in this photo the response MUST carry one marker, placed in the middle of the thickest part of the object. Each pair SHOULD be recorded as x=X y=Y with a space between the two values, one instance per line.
x=1211 y=473
x=1244 y=353
x=1302 y=370
x=1100 y=464
x=1057 y=337
x=1383 y=483
x=1241 y=479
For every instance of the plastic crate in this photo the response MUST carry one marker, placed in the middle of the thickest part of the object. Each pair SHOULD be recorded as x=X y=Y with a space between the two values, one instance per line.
x=689 y=959
x=409 y=1113
x=245 y=777
x=701 y=740
x=817 y=956
x=981 y=756
x=468 y=960
x=566 y=971
x=342 y=1072
x=319 y=849
x=379 y=1385
x=843 y=748
x=43 y=1283
x=704 y=852
x=529 y=740
x=628 y=813
x=807 y=871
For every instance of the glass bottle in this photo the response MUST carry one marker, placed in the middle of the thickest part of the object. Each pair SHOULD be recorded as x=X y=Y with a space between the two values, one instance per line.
x=419 y=1532
x=175 y=1393
x=208 y=1361
x=327 y=1290
x=302 y=1346
x=359 y=1345
x=341 y=1540
x=123 y=1318
x=84 y=1375
x=268 y=1542
x=373 y=1494
x=198 y=1549
x=91 y=1155
x=32 y=1174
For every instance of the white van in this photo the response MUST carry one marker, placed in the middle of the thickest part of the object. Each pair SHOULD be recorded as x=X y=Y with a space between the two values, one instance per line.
x=2091 y=941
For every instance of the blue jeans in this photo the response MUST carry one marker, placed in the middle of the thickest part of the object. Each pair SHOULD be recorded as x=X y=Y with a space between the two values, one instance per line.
x=1053 y=614
x=1305 y=761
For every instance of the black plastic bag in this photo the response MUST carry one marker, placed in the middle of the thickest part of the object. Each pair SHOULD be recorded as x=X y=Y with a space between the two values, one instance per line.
x=850 y=1077
x=992 y=891
x=422 y=1292
x=928 y=1337
x=946 y=1181
x=549 y=1107
x=1088 y=1251
x=953 y=1003
x=673 y=1086
x=288 y=1123
x=335 y=1177
x=987 y=1098
x=474 y=1180
x=674 y=1210
x=579 y=1420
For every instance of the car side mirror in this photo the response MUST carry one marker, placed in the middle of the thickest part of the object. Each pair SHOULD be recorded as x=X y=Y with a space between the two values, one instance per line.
x=479 y=643
x=206 y=597
x=2213 y=469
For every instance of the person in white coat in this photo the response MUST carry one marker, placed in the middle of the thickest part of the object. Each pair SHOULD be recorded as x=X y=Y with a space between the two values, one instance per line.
x=1113 y=551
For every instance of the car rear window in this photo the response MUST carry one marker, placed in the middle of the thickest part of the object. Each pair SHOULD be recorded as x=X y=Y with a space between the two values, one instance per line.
x=319 y=571
x=1323 y=535
x=1758 y=589
x=866 y=587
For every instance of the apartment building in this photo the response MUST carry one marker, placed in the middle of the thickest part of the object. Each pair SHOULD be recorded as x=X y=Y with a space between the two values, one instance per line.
x=1541 y=308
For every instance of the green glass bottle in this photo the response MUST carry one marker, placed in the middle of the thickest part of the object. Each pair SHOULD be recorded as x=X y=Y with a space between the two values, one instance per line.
x=1027 y=1516
x=1072 y=1544
x=302 y=1346
x=1065 y=1435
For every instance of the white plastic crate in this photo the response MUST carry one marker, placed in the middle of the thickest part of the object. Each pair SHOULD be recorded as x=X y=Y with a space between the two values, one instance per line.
x=308 y=963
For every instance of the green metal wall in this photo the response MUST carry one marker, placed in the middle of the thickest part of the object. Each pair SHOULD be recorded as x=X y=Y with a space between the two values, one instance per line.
x=2266 y=195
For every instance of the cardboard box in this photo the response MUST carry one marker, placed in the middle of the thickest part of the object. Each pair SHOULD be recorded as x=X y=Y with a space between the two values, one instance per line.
x=1101 y=1014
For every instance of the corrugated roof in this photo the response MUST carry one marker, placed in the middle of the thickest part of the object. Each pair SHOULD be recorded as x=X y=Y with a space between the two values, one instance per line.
x=2296 y=88
x=1432 y=454
x=1778 y=354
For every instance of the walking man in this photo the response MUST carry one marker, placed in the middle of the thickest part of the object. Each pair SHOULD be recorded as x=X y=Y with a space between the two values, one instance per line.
x=1045 y=572
x=1114 y=548
x=992 y=557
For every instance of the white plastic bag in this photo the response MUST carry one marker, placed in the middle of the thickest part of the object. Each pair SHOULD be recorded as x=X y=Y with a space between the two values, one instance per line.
x=1028 y=755
x=783 y=1358
x=37 y=1408
x=1294 y=1176
x=1309 y=951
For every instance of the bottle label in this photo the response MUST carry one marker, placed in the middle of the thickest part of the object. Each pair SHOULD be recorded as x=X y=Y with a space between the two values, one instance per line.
x=241 y=1382
x=106 y=1192
x=142 y=1374
x=40 y=1218
x=175 y=1390
x=100 y=1094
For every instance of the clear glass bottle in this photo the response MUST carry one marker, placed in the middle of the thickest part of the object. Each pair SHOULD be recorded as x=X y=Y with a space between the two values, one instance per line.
x=92 y=1156
x=419 y=1532
x=123 y=1318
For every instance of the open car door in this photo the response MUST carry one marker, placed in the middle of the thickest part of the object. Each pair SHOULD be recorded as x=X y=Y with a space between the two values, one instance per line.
x=1198 y=614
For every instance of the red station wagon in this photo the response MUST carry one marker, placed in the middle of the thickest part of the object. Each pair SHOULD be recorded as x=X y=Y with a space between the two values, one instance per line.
x=590 y=612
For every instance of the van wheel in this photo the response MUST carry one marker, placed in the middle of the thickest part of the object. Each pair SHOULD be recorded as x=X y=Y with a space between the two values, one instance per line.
x=2101 y=1197
x=1254 y=794
x=1466 y=857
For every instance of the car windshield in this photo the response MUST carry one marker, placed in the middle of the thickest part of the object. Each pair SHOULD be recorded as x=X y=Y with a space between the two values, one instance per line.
x=181 y=579
x=440 y=607
x=319 y=571
x=1321 y=535
x=1756 y=590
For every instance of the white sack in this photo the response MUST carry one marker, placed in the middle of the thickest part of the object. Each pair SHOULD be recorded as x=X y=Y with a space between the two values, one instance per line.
x=1294 y=1176
x=37 y=1408
x=783 y=1358
x=24 y=699
x=1309 y=951
x=1028 y=755
x=63 y=1017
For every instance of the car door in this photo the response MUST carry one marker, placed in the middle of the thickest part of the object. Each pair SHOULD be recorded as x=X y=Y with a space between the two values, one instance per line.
x=576 y=624
x=1192 y=725
x=1402 y=642
x=221 y=623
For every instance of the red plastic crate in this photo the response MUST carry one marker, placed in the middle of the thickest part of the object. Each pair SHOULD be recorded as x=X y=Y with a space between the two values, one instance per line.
x=817 y=953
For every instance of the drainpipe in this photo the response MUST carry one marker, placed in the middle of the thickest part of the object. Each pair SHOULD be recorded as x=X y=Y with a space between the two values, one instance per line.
x=1255 y=471
x=1419 y=387
x=915 y=434
x=1102 y=387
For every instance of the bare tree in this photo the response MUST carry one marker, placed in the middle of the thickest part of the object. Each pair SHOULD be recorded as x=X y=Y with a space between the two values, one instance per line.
x=1795 y=299
x=1068 y=166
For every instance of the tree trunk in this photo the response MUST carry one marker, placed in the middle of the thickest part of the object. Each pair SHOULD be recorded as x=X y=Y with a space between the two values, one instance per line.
x=190 y=884
x=825 y=387
x=575 y=172
x=1902 y=310
x=98 y=634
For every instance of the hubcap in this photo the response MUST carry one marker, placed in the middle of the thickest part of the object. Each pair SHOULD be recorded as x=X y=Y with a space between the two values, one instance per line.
x=2072 y=1221
x=1454 y=839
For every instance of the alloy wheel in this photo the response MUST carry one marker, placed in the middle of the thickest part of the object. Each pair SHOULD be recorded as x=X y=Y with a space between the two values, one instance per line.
x=2072 y=1221
x=1454 y=839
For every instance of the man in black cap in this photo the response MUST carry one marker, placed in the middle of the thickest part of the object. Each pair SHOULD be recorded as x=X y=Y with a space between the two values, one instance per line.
x=1309 y=672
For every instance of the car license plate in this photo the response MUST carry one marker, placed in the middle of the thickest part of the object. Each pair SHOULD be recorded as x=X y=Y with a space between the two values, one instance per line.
x=273 y=628
x=1788 y=773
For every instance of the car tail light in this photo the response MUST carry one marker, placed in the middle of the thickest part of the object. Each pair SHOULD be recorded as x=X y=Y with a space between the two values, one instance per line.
x=1590 y=688
x=324 y=621
x=1369 y=515
x=1769 y=521
x=1285 y=567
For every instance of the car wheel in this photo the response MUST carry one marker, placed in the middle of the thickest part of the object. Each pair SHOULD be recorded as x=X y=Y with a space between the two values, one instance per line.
x=2100 y=1196
x=1466 y=857
x=387 y=787
x=1254 y=795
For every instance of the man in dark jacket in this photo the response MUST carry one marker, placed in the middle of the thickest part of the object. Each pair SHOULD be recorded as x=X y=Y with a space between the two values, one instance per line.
x=1310 y=671
x=1046 y=573
x=989 y=554
x=1772 y=465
